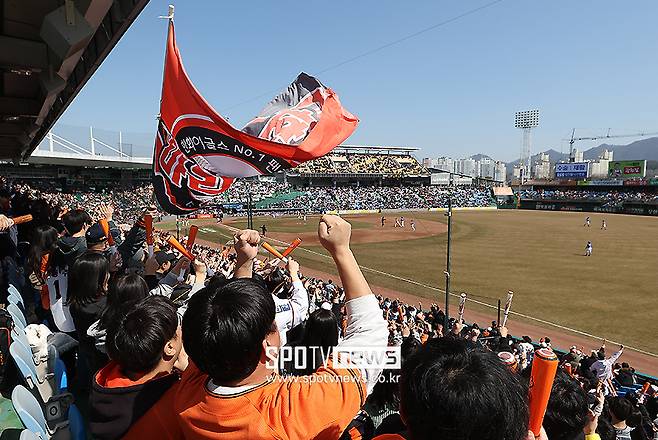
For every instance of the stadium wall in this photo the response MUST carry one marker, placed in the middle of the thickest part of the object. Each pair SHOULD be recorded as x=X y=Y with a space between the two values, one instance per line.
x=633 y=208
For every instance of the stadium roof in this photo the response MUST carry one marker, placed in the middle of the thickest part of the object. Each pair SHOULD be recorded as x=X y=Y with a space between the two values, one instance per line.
x=40 y=157
x=48 y=51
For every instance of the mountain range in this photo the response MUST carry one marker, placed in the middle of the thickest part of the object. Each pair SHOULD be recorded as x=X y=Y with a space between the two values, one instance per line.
x=642 y=149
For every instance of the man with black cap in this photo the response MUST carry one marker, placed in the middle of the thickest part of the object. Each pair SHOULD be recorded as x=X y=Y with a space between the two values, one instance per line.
x=96 y=238
x=97 y=242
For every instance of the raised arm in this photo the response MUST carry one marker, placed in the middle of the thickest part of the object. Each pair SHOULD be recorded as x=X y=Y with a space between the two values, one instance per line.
x=299 y=298
x=334 y=234
x=365 y=325
x=246 y=247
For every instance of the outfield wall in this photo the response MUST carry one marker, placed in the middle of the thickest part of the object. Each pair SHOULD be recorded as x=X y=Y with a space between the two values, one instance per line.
x=633 y=208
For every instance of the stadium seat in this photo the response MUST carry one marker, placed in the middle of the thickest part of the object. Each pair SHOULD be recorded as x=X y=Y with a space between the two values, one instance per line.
x=46 y=387
x=16 y=300
x=58 y=387
x=26 y=434
x=17 y=316
x=29 y=410
x=18 y=335
x=76 y=424
x=13 y=290
x=61 y=378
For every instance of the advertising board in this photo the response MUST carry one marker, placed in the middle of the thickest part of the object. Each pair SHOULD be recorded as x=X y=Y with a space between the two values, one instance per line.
x=627 y=169
x=572 y=170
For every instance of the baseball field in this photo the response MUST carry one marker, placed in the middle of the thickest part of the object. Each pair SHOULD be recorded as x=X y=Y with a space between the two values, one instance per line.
x=540 y=256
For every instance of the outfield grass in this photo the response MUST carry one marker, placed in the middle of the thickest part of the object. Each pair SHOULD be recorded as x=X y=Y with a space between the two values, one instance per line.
x=538 y=255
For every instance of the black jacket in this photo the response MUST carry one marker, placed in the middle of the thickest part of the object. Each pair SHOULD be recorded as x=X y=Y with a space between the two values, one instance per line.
x=132 y=244
x=67 y=250
x=83 y=317
x=113 y=410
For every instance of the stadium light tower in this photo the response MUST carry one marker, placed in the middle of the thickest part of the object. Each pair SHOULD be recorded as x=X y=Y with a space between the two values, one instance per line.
x=526 y=121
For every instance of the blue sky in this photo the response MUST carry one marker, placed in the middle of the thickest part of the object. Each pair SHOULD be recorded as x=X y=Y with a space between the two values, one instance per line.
x=590 y=64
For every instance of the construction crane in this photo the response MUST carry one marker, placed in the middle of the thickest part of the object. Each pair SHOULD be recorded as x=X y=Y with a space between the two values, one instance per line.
x=573 y=139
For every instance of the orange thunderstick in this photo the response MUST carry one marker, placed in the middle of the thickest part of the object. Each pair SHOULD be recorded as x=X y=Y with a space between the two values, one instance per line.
x=148 y=224
x=105 y=225
x=180 y=248
x=191 y=237
x=268 y=247
x=22 y=219
x=292 y=247
x=544 y=367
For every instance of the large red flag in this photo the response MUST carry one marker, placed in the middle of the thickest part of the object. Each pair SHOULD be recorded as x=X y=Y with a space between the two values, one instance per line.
x=198 y=153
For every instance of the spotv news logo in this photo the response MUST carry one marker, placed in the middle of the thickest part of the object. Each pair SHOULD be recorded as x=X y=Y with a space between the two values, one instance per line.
x=302 y=357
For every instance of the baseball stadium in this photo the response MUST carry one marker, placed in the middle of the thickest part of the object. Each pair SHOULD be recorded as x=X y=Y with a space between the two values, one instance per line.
x=181 y=289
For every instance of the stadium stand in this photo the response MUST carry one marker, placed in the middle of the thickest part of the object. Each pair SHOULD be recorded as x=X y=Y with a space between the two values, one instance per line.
x=608 y=197
x=452 y=379
x=380 y=161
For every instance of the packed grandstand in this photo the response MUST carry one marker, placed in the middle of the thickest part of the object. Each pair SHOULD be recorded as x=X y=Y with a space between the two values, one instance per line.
x=120 y=309
x=381 y=161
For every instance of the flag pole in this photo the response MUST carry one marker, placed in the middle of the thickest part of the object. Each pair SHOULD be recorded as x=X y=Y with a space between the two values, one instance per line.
x=250 y=212
x=170 y=14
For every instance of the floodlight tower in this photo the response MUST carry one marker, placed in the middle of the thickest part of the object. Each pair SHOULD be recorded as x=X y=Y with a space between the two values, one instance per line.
x=526 y=121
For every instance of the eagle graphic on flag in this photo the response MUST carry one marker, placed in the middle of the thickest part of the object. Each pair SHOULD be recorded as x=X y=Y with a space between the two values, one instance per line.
x=198 y=153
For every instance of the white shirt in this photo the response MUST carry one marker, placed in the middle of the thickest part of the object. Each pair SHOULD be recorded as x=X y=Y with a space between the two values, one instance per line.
x=291 y=312
x=603 y=369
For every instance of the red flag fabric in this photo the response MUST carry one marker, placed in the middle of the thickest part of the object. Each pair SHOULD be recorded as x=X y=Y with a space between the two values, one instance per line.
x=198 y=153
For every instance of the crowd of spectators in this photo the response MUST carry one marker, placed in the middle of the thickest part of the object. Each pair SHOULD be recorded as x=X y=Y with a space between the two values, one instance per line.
x=390 y=165
x=387 y=197
x=315 y=199
x=129 y=199
x=168 y=347
x=609 y=197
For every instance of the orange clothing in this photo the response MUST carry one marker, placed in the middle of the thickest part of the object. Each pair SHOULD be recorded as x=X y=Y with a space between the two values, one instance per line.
x=389 y=437
x=111 y=376
x=319 y=406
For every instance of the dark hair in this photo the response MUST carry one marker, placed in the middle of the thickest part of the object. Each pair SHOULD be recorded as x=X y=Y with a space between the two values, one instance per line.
x=75 y=220
x=321 y=329
x=135 y=339
x=224 y=328
x=126 y=290
x=276 y=283
x=452 y=389
x=86 y=278
x=43 y=241
x=605 y=429
x=409 y=346
x=566 y=414
x=620 y=407
x=387 y=390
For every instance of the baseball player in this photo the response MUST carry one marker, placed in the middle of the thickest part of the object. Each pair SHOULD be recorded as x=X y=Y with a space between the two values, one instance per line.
x=588 y=249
